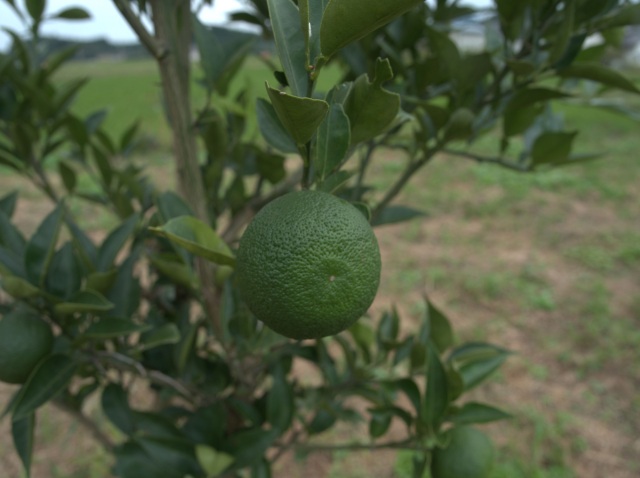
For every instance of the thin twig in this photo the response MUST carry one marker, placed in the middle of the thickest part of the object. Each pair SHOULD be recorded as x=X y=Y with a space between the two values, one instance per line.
x=487 y=159
x=88 y=423
x=402 y=444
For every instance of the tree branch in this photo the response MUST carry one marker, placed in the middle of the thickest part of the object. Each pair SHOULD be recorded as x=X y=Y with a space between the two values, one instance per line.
x=407 y=444
x=157 y=50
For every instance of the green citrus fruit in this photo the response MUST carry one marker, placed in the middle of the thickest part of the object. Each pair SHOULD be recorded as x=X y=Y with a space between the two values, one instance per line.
x=24 y=340
x=469 y=455
x=308 y=265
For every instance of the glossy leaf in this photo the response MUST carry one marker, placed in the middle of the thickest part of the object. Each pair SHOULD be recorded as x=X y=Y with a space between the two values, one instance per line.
x=272 y=129
x=332 y=144
x=49 y=378
x=290 y=44
x=301 y=117
x=83 y=302
x=35 y=8
x=474 y=412
x=22 y=431
x=115 y=406
x=345 y=22
x=41 y=246
x=198 y=238
x=336 y=181
x=109 y=328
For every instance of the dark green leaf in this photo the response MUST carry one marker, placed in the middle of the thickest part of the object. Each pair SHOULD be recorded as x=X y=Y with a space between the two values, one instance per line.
x=272 y=129
x=84 y=301
x=115 y=241
x=380 y=422
x=115 y=405
x=198 y=238
x=370 y=108
x=395 y=214
x=165 y=334
x=170 y=206
x=280 y=406
x=290 y=44
x=125 y=291
x=10 y=236
x=441 y=330
x=436 y=400
x=345 y=22
x=8 y=203
x=460 y=126
x=474 y=412
x=36 y=8
x=50 y=377
x=249 y=446
x=599 y=73
x=301 y=117
x=41 y=246
x=322 y=421
x=552 y=147
x=68 y=176
x=18 y=288
x=477 y=361
x=109 y=328
x=132 y=461
x=73 y=13
x=177 y=455
x=332 y=144
x=23 y=439
x=337 y=180
x=65 y=273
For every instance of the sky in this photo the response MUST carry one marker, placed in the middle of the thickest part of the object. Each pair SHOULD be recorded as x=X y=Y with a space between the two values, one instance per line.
x=106 y=21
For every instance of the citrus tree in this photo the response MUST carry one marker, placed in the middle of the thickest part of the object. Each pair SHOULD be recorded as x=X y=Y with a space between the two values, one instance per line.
x=179 y=303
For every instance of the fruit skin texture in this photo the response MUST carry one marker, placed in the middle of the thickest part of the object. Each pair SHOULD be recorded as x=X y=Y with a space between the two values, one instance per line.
x=470 y=454
x=24 y=340
x=308 y=265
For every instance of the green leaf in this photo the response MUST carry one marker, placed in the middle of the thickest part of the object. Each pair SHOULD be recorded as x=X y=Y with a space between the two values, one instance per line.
x=198 y=238
x=101 y=281
x=301 y=117
x=280 y=406
x=311 y=12
x=370 y=108
x=599 y=73
x=175 y=269
x=125 y=291
x=552 y=147
x=212 y=461
x=345 y=22
x=249 y=446
x=73 y=13
x=18 y=288
x=132 y=461
x=272 y=129
x=222 y=52
x=332 y=144
x=441 y=330
x=290 y=44
x=85 y=301
x=50 y=377
x=175 y=454
x=409 y=387
x=170 y=206
x=68 y=176
x=115 y=241
x=65 y=273
x=474 y=412
x=322 y=421
x=624 y=16
x=395 y=214
x=337 y=180
x=380 y=422
x=165 y=334
x=460 y=126
x=525 y=106
x=109 y=328
x=8 y=203
x=36 y=8
x=41 y=246
x=23 y=439
x=436 y=399
x=10 y=236
x=476 y=361
x=115 y=405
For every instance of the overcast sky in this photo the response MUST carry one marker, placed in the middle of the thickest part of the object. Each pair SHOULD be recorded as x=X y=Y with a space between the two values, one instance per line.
x=106 y=22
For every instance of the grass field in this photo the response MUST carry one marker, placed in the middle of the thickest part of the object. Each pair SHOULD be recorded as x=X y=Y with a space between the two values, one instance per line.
x=546 y=265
